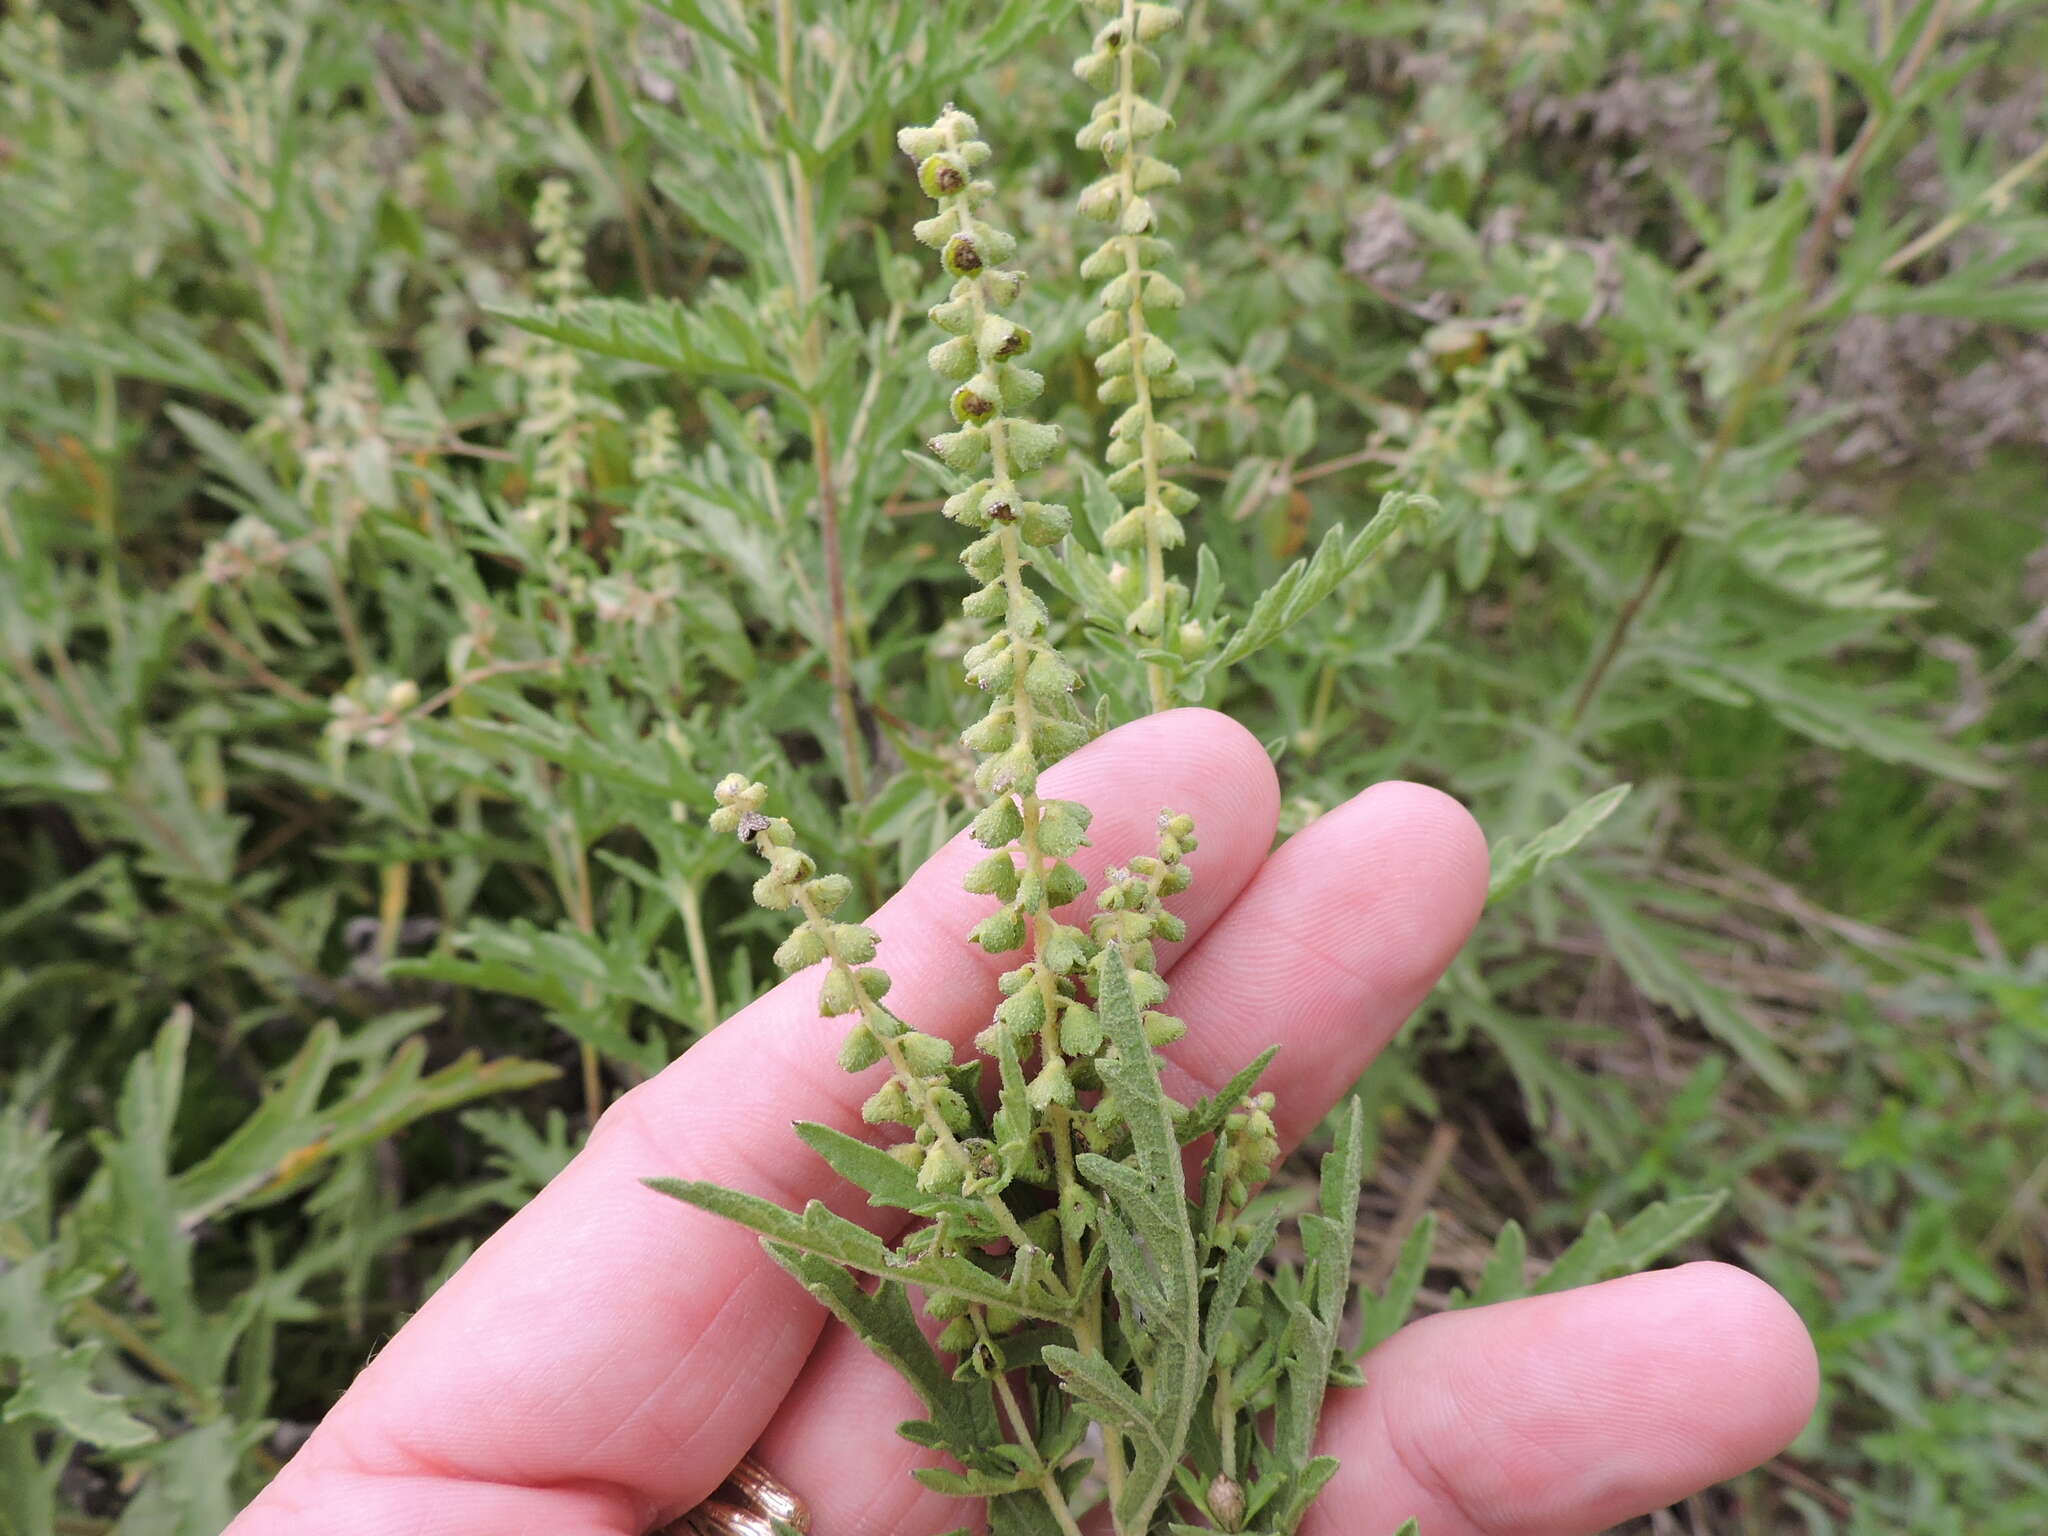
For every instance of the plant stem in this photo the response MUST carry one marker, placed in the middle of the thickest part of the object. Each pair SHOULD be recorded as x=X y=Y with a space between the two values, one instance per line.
x=1990 y=197
x=691 y=905
x=845 y=705
x=802 y=235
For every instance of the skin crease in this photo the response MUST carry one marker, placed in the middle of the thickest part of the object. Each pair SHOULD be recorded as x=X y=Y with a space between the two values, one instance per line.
x=597 y=1365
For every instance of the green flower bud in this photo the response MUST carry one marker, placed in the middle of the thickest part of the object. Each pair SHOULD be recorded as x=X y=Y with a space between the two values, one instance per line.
x=802 y=948
x=994 y=672
x=1062 y=827
x=1045 y=523
x=943 y=1306
x=954 y=359
x=1081 y=1031
x=995 y=875
x=989 y=602
x=1056 y=738
x=774 y=893
x=1000 y=824
x=1031 y=444
x=854 y=943
x=1049 y=679
x=1050 y=1086
x=963 y=450
x=1021 y=1014
x=1147 y=990
x=994 y=732
x=1000 y=931
x=1064 y=883
x=829 y=892
x=1169 y=446
x=1014 y=771
x=1101 y=200
x=911 y=1156
x=927 y=1054
x=940 y=1173
x=859 y=1050
x=952 y=1109
x=836 y=995
x=1162 y=292
x=1066 y=949
x=984 y=557
x=889 y=1105
x=1151 y=174
x=957 y=313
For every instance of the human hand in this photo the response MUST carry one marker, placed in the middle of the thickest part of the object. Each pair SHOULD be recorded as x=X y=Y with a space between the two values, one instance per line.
x=605 y=1359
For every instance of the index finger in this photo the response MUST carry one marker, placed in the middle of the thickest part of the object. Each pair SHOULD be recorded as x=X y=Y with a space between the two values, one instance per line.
x=624 y=1353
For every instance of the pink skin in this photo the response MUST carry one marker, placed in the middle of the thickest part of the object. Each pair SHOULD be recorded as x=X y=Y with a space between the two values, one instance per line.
x=601 y=1362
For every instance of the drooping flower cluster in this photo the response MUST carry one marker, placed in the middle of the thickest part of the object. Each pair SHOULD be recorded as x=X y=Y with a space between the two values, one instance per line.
x=918 y=1093
x=1138 y=367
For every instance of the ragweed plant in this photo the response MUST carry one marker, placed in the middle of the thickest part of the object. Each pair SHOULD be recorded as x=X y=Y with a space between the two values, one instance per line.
x=1083 y=1293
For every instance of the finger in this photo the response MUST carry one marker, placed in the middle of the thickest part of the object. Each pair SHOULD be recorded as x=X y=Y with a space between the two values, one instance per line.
x=1564 y=1415
x=609 y=1339
x=1324 y=952
x=1336 y=940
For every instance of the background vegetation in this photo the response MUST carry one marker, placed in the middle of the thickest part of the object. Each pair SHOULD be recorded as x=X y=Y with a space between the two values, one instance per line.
x=436 y=439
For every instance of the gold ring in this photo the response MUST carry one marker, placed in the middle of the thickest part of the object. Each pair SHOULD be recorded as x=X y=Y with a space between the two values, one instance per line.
x=751 y=1501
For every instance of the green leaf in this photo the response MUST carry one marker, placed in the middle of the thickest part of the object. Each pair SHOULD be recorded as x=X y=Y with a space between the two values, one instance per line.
x=1517 y=861
x=1327 y=1239
x=53 y=1383
x=1659 y=1228
x=1588 y=1259
x=713 y=339
x=1206 y=1116
x=886 y=1181
x=1506 y=1274
x=1302 y=1488
x=1235 y=1273
x=963 y=1414
x=1385 y=1313
x=1307 y=582
x=1648 y=950
x=818 y=1231
x=1094 y=1383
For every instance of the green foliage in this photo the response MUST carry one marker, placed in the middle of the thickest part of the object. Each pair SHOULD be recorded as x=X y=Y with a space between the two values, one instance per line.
x=437 y=436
